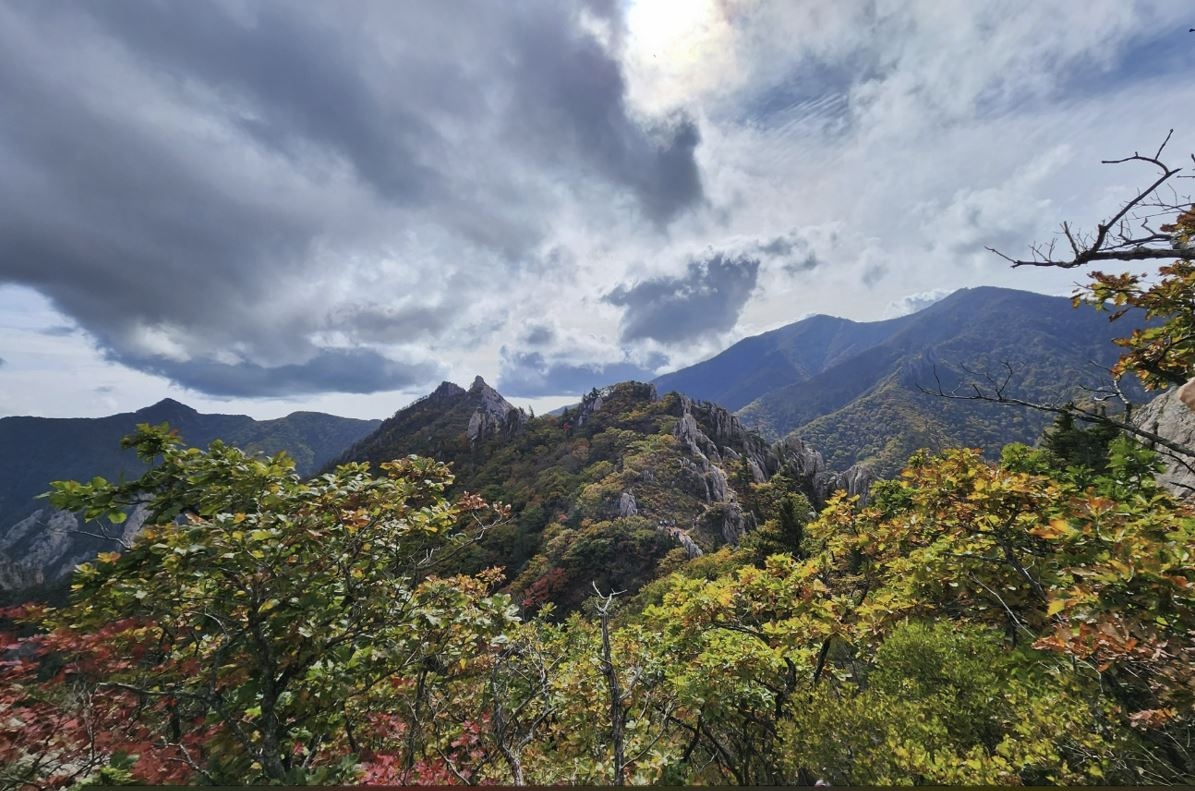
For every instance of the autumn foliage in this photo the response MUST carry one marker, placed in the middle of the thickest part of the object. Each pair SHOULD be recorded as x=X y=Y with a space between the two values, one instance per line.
x=1026 y=622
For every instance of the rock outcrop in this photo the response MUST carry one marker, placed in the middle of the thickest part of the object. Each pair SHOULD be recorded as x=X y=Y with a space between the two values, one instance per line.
x=44 y=548
x=721 y=449
x=1168 y=416
x=712 y=435
x=450 y=424
x=493 y=414
x=627 y=505
x=623 y=392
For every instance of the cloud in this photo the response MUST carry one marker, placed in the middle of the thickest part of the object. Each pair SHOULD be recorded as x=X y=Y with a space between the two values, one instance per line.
x=530 y=374
x=377 y=323
x=58 y=330
x=912 y=303
x=236 y=194
x=2 y=362
x=230 y=193
x=705 y=300
x=795 y=252
x=331 y=370
x=538 y=335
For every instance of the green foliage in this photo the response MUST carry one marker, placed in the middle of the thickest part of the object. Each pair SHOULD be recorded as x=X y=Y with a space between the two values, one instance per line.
x=266 y=610
x=945 y=704
x=1097 y=573
x=976 y=623
x=1079 y=447
x=1163 y=352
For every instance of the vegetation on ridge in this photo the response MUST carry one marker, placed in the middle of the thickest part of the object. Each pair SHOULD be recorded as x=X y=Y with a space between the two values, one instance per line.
x=1025 y=621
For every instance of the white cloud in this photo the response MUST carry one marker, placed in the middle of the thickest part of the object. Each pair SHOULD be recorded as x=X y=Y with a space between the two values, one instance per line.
x=889 y=142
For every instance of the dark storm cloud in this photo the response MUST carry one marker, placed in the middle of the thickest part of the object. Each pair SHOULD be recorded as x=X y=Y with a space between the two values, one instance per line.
x=57 y=331
x=385 y=323
x=807 y=263
x=302 y=78
x=573 y=95
x=874 y=273
x=780 y=246
x=538 y=335
x=199 y=170
x=794 y=250
x=331 y=370
x=706 y=299
x=530 y=374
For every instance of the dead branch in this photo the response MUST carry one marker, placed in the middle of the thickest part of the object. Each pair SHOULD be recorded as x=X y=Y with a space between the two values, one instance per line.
x=997 y=393
x=1116 y=238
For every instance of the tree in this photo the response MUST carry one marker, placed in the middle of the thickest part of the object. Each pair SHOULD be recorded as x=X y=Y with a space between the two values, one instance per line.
x=1076 y=446
x=1131 y=233
x=264 y=624
x=1162 y=353
x=1097 y=573
x=948 y=704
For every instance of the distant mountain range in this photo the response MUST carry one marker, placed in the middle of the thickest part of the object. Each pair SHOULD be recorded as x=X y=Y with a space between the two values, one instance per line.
x=610 y=485
x=854 y=390
x=39 y=545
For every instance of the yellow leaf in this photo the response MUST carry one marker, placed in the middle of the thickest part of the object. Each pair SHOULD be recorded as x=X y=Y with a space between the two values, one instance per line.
x=1056 y=606
x=1058 y=528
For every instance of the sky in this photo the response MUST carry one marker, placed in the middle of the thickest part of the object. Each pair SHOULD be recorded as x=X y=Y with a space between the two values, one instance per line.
x=261 y=207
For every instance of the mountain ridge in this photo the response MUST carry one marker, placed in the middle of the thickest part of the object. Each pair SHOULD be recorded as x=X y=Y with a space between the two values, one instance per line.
x=39 y=545
x=606 y=490
x=864 y=403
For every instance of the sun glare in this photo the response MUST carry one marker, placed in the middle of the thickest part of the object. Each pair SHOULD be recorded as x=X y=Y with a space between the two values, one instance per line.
x=670 y=29
x=672 y=43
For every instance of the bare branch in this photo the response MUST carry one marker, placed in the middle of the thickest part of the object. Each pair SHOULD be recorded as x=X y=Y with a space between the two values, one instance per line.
x=1112 y=240
x=998 y=396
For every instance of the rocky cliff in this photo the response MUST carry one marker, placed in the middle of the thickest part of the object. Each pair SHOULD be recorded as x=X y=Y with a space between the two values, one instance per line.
x=603 y=490
x=1169 y=416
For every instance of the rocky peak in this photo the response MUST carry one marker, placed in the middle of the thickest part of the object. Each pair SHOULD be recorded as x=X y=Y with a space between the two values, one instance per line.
x=492 y=413
x=719 y=443
x=623 y=395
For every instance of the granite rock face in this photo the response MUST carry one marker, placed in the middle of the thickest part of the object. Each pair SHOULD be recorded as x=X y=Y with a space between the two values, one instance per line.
x=493 y=414
x=760 y=460
x=1169 y=416
x=45 y=547
x=720 y=448
x=450 y=424
x=627 y=505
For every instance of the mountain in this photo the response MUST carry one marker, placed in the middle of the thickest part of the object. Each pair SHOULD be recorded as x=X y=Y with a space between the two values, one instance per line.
x=39 y=545
x=854 y=390
x=446 y=425
x=604 y=491
x=791 y=354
